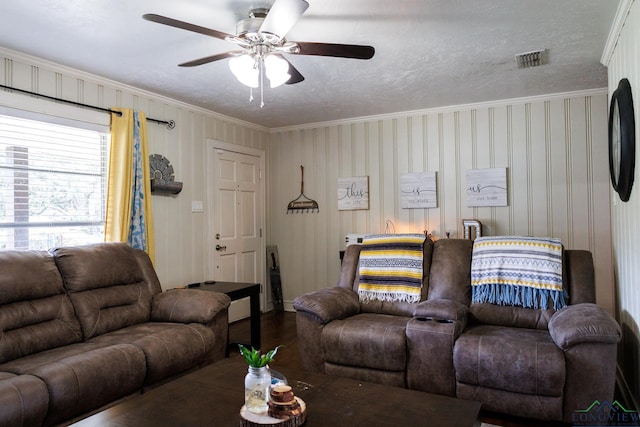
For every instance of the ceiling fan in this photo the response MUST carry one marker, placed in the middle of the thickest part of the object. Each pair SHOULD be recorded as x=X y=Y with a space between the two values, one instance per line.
x=262 y=43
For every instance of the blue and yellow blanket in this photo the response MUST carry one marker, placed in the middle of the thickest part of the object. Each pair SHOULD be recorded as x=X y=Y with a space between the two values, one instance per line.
x=391 y=268
x=518 y=271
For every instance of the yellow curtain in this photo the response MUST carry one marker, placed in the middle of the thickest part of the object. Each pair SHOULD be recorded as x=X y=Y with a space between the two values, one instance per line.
x=129 y=215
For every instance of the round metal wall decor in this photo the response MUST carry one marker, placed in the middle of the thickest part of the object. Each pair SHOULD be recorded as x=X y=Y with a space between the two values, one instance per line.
x=622 y=140
x=161 y=169
x=162 y=176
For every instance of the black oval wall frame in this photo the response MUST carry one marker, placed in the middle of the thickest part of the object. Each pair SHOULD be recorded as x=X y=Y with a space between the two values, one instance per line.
x=622 y=140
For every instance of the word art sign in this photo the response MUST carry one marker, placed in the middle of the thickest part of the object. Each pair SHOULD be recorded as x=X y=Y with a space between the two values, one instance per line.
x=418 y=190
x=353 y=193
x=487 y=187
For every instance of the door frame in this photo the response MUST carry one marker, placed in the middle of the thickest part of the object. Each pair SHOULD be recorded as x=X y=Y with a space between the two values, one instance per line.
x=213 y=144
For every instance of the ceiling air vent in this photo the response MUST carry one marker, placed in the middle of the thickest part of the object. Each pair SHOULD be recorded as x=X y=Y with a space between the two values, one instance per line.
x=530 y=59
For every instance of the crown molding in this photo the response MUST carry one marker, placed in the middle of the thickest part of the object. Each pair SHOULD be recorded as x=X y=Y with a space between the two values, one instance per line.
x=624 y=7
x=72 y=72
x=447 y=109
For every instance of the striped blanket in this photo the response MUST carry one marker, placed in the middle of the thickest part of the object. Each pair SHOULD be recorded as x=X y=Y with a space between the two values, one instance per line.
x=391 y=268
x=518 y=271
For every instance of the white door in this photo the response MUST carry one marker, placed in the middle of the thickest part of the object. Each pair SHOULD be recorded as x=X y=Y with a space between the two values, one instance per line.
x=236 y=244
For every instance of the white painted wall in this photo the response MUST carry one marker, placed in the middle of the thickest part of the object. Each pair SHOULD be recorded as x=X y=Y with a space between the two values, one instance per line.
x=554 y=149
x=181 y=236
x=625 y=62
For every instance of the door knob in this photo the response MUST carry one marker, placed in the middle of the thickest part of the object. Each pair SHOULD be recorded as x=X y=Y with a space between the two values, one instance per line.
x=221 y=248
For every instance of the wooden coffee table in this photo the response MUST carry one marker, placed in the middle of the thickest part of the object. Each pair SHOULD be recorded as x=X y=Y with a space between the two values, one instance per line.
x=213 y=396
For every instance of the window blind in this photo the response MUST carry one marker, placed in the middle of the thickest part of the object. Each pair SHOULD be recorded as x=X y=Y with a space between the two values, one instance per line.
x=52 y=184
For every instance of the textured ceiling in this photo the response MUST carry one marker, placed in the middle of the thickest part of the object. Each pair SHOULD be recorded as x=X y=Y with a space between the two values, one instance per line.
x=429 y=53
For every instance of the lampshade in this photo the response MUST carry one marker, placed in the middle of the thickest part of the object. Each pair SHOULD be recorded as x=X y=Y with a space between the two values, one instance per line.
x=245 y=70
x=277 y=70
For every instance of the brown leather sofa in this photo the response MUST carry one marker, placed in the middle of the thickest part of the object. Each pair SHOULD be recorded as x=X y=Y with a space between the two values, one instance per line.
x=84 y=327
x=542 y=364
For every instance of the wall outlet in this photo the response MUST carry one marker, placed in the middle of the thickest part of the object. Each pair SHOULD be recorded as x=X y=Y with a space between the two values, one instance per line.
x=353 y=239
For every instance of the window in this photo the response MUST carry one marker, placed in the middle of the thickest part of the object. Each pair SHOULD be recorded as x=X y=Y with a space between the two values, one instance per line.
x=52 y=184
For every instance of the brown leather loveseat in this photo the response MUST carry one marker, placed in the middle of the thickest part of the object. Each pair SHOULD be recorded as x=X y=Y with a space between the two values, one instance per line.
x=83 y=327
x=536 y=363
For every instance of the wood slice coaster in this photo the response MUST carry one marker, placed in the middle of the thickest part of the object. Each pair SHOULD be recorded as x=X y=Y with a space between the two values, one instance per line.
x=249 y=419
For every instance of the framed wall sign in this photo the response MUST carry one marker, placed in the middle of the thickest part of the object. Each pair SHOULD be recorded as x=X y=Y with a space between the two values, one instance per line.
x=487 y=187
x=418 y=190
x=353 y=193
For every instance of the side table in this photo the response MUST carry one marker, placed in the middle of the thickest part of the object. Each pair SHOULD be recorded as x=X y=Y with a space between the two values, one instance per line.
x=236 y=291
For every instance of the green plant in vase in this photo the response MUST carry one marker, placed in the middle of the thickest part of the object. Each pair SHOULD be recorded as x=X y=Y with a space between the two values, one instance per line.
x=258 y=379
x=255 y=358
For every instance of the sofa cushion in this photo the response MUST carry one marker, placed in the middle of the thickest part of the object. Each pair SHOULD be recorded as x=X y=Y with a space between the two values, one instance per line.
x=450 y=275
x=30 y=327
x=89 y=380
x=367 y=340
x=169 y=348
x=518 y=360
x=24 y=400
x=28 y=275
x=503 y=315
x=24 y=365
x=100 y=265
x=107 y=286
x=35 y=313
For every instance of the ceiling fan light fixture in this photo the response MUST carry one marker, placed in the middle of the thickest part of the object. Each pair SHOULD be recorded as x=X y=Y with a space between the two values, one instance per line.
x=277 y=70
x=244 y=69
x=261 y=38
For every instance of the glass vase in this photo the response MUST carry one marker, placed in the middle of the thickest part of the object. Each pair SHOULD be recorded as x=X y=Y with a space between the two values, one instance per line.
x=256 y=389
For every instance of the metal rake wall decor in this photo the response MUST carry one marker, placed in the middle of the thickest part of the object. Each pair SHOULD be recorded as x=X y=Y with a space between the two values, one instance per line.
x=302 y=203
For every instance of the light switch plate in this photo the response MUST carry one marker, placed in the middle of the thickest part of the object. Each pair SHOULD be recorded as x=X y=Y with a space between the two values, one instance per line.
x=197 y=206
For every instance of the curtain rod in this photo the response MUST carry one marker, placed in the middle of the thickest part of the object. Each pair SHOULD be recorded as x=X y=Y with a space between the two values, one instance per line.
x=170 y=123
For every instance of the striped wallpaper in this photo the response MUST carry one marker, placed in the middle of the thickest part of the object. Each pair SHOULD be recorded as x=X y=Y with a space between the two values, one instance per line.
x=554 y=149
x=625 y=62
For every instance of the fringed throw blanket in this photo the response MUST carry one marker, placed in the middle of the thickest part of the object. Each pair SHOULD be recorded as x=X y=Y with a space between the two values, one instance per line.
x=391 y=267
x=519 y=271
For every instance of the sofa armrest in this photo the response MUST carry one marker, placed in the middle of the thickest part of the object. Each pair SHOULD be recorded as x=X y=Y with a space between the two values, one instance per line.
x=188 y=306
x=329 y=304
x=583 y=323
x=443 y=309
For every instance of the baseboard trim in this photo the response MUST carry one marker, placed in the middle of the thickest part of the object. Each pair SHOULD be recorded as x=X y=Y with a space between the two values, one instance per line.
x=624 y=390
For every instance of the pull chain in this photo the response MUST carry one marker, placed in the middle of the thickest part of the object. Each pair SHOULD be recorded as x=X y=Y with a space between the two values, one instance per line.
x=261 y=84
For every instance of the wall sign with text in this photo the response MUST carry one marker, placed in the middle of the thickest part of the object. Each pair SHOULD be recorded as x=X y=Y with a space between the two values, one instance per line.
x=487 y=187
x=418 y=190
x=353 y=193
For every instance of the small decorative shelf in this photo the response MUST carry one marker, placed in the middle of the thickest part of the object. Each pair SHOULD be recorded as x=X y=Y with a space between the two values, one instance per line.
x=162 y=177
x=165 y=187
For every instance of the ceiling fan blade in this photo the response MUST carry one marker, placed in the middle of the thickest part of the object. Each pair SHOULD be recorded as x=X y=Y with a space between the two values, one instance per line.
x=212 y=58
x=338 y=50
x=296 y=77
x=185 y=26
x=282 y=16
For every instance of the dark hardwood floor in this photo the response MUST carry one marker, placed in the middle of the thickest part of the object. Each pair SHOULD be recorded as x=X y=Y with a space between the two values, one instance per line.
x=280 y=329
